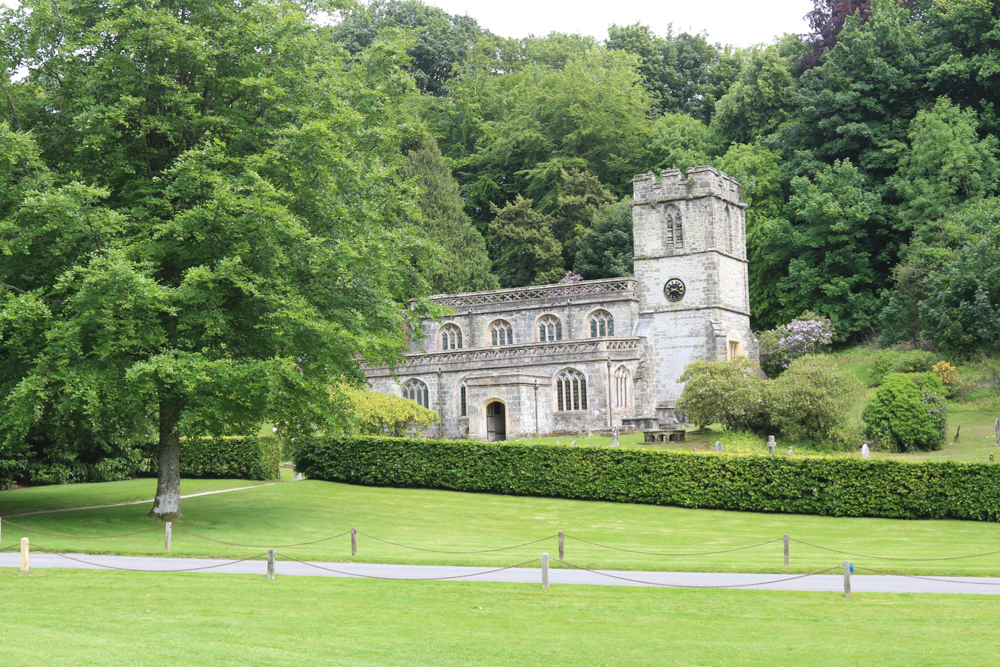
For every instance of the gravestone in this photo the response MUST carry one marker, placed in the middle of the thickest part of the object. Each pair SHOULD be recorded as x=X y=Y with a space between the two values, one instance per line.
x=865 y=453
x=614 y=436
x=771 y=444
x=573 y=444
x=718 y=447
x=789 y=452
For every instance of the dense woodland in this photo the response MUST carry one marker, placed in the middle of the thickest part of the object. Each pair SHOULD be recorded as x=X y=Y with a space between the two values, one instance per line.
x=867 y=150
x=209 y=211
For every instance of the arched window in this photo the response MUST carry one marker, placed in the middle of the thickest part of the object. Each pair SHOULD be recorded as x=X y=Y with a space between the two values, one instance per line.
x=415 y=390
x=463 y=410
x=571 y=391
x=501 y=333
x=451 y=337
x=602 y=324
x=622 y=388
x=549 y=328
x=673 y=231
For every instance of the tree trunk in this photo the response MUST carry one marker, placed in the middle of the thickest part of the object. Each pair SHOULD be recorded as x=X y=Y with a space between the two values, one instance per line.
x=167 y=505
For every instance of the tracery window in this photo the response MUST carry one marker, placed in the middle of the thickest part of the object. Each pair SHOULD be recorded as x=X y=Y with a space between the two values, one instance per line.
x=415 y=390
x=602 y=324
x=502 y=333
x=451 y=337
x=549 y=329
x=622 y=388
x=463 y=410
x=673 y=231
x=571 y=391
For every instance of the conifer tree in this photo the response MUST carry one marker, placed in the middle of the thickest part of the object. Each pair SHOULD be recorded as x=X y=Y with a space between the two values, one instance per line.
x=463 y=264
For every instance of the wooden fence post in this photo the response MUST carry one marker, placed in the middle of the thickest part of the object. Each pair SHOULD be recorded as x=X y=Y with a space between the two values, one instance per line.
x=545 y=572
x=786 y=549
x=354 y=541
x=847 y=579
x=270 y=564
x=24 y=554
x=166 y=536
x=562 y=545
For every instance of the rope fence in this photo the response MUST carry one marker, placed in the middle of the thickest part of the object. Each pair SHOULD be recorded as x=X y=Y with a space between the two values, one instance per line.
x=561 y=536
x=272 y=556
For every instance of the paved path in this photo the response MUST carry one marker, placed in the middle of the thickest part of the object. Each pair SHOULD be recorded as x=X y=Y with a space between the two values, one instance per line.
x=532 y=575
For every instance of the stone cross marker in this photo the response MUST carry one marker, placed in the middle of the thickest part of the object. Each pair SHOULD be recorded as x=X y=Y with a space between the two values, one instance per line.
x=718 y=447
x=614 y=436
x=771 y=444
x=865 y=453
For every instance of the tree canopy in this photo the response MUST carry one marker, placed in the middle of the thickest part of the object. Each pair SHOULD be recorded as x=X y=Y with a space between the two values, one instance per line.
x=196 y=221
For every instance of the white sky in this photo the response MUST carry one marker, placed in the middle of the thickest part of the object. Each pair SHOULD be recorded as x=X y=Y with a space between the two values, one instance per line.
x=736 y=22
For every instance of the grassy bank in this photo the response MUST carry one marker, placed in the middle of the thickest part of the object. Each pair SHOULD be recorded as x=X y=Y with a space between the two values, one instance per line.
x=191 y=619
x=291 y=513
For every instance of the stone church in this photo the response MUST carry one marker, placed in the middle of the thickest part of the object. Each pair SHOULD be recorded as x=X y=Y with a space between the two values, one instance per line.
x=568 y=358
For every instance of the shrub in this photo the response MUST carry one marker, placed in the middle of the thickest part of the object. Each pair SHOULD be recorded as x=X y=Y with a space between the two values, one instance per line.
x=914 y=361
x=381 y=414
x=228 y=457
x=811 y=400
x=807 y=334
x=882 y=365
x=948 y=375
x=728 y=392
x=908 y=412
x=804 y=485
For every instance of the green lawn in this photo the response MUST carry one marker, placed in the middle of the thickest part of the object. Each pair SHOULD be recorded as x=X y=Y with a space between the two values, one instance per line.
x=215 y=619
x=303 y=511
x=61 y=496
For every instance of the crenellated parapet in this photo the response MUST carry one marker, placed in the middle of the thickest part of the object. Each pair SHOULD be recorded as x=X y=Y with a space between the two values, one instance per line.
x=700 y=182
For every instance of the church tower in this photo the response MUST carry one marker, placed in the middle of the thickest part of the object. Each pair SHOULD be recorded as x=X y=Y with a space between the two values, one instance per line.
x=691 y=268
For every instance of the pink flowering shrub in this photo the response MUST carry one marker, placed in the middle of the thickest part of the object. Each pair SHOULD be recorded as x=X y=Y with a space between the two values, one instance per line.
x=807 y=334
x=569 y=279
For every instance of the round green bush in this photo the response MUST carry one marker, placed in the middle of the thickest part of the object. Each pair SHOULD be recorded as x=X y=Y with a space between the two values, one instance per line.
x=728 y=392
x=908 y=412
x=811 y=400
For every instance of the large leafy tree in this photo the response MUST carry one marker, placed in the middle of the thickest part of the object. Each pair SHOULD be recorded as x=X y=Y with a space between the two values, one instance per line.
x=947 y=164
x=194 y=220
x=439 y=41
x=758 y=102
x=684 y=73
x=832 y=248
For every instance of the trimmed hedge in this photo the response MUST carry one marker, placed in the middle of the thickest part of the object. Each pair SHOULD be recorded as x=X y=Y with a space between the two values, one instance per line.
x=824 y=486
x=255 y=457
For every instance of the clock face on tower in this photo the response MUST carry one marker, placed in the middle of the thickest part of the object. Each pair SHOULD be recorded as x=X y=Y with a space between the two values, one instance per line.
x=674 y=289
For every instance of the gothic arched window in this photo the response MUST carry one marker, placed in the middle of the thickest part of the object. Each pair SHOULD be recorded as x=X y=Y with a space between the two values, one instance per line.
x=451 y=337
x=602 y=324
x=501 y=333
x=549 y=329
x=415 y=390
x=673 y=230
x=571 y=391
x=622 y=388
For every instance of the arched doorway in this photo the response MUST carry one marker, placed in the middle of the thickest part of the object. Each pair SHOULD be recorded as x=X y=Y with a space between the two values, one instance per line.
x=496 y=422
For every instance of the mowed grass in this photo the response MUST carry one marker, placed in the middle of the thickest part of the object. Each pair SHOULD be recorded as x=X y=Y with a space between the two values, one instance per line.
x=60 y=496
x=297 y=512
x=105 y=618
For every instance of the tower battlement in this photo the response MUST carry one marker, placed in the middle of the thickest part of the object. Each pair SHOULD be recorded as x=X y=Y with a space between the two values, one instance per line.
x=700 y=181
